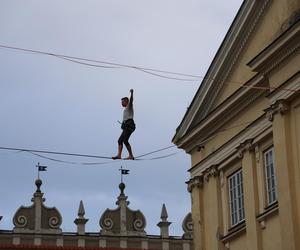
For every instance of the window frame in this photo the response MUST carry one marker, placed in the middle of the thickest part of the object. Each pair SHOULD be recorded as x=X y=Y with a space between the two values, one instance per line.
x=270 y=177
x=238 y=215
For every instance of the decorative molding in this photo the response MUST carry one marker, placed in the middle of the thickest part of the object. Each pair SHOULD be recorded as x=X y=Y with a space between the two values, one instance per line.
x=230 y=108
x=284 y=53
x=228 y=152
x=195 y=182
x=138 y=225
x=269 y=211
x=211 y=172
x=222 y=178
x=21 y=221
x=234 y=232
x=279 y=50
x=54 y=222
x=107 y=224
x=245 y=146
x=187 y=226
x=257 y=154
x=240 y=48
x=279 y=107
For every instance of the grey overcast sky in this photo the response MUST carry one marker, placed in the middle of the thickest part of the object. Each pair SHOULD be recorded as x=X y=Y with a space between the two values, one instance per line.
x=51 y=104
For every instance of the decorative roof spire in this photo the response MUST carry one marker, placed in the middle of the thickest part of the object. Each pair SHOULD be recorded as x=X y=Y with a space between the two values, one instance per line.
x=164 y=213
x=164 y=224
x=81 y=221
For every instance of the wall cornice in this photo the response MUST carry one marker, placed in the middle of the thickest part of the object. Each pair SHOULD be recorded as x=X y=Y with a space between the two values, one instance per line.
x=279 y=50
x=228 y=152
x=231 y=107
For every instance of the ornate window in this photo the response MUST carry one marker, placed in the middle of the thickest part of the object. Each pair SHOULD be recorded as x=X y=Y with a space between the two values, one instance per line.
x=236 y=197
x=270 y=176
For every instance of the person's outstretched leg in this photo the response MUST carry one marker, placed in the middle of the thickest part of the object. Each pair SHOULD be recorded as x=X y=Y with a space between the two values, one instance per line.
x=127 y=134
x=130 y=154
x=120 y=147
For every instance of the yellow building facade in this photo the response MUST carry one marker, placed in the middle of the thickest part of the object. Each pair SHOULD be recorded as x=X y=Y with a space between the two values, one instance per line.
x=242 y=131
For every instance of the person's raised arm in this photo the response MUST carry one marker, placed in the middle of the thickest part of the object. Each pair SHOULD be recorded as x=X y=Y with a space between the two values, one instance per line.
x=131 y=97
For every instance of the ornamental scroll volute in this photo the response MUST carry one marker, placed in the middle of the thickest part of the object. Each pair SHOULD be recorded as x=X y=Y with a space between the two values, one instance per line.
x=37 y=217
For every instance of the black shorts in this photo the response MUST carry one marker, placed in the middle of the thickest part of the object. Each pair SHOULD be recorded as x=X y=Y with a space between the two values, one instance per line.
x=128 y=127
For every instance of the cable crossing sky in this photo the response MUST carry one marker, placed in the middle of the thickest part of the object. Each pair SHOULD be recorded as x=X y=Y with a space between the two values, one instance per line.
x=154 y=72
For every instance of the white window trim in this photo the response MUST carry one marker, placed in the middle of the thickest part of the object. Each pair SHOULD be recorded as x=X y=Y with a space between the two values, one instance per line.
x=270 y=200
x=240 y=217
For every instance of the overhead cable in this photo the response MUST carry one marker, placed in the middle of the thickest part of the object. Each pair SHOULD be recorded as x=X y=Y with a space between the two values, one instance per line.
x=151 y=71
x=75 y=60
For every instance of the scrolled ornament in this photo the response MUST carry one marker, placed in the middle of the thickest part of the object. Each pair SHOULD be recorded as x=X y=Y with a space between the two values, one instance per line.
x=21 y=221
x=54 y=222
x=107 y=223
x=138 y=225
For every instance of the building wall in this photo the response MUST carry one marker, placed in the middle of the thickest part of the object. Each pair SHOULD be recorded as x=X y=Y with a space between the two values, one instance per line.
x=265 y=226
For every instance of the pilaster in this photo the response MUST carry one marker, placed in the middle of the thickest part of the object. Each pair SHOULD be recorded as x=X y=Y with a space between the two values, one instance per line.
x=59 y=242
x=123 y=243
x=186 y=246
x=81 y=242
x=195 y=186
x=102 y=243
x=165 y=245
x=37 y=240
x=145 y=244
x=288 y=216
x=214 y=215
x=16 y=240
x=251 y=199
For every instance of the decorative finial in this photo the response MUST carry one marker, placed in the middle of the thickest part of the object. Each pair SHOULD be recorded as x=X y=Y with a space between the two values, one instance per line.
x=122 y=199
x=38 y=184
x=164 y=213
x=81 y=211
x=81 y=221
x=122 y=187
x=164 y=223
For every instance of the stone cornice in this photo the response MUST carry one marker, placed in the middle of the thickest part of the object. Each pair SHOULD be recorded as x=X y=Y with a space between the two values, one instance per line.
x=284 y=46
x=223 y=113
x=287 y=90
x=228 y=152
x=222 y=65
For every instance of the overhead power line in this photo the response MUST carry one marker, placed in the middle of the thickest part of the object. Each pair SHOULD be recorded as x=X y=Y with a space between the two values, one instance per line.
x=152 y=71
x=112 y=64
